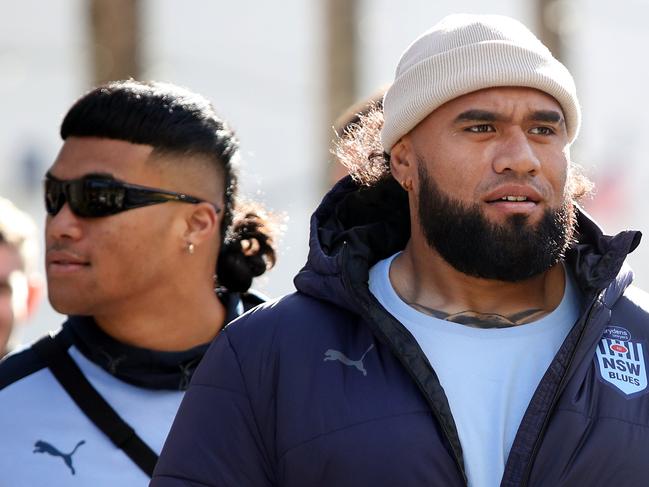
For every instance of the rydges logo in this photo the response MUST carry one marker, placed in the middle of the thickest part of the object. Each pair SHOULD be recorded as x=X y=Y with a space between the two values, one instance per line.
x=621 y=361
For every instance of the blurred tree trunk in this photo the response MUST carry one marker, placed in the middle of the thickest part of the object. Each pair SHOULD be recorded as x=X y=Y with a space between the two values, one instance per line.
x=341 y=66
x=341 y=56
x=114 y=36
x=548 y=26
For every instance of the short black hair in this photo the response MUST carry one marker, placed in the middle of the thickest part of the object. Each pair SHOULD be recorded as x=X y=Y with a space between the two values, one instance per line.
x=172 y=120
x=167 y=117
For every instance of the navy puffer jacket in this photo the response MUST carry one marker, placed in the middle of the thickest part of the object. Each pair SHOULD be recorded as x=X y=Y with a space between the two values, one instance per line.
x=325 y=388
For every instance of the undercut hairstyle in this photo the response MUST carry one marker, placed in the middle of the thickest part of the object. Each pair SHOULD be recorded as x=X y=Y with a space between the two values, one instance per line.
x=359 y=149
x=18 y=230
x=176 y=121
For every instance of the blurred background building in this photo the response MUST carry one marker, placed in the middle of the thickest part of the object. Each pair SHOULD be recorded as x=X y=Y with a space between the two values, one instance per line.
x=282 y=72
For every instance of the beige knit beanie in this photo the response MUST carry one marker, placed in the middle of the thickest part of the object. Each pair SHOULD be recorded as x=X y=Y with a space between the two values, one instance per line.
x=465 y=53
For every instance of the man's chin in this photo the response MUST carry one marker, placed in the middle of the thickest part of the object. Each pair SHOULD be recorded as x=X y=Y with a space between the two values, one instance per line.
x=70 y=305
x=511 y=218
x=500 y=211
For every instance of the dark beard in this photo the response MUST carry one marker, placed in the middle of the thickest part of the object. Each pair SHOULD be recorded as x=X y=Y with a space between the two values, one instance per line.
x=513 y=251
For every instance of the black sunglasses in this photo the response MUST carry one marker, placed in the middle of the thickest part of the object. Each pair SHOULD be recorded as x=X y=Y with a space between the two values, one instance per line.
x=96 y=195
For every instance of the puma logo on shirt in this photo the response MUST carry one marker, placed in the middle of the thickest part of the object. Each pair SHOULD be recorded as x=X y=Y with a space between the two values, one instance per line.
x=44 y=447
x=341 y=357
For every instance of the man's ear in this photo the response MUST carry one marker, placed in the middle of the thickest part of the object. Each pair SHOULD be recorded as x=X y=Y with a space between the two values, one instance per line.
x=403 y=163
x=202 y=224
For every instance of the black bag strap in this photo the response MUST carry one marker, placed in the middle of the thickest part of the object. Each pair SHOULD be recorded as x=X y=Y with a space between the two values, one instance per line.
x=94 y=406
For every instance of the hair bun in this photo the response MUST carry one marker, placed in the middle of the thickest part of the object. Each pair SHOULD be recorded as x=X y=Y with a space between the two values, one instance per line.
x=248 y=250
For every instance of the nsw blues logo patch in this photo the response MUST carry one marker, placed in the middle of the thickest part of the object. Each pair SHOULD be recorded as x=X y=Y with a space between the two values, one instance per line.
x=621 y=361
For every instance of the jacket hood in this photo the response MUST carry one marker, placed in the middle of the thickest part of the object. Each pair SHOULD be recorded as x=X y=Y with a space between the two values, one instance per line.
x=356 y=226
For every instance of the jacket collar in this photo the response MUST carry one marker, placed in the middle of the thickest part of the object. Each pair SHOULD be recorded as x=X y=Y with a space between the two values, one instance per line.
x=140 y=366
x=354 y=227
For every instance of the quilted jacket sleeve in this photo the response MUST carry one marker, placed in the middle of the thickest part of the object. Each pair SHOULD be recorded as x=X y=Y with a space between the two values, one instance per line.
x=215 y=439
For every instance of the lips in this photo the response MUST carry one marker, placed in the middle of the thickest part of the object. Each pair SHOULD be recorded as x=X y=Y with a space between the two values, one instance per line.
x=65 y=261
x=513 y=194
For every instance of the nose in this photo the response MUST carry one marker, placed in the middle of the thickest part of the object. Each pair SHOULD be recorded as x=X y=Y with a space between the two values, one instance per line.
x=65 y=225
x=515 y=154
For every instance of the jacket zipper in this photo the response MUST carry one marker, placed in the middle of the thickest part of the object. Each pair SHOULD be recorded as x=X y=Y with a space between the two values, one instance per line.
x=557 y=393
x=458 y=461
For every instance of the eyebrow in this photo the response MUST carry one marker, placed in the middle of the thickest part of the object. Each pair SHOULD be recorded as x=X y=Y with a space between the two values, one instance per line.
x=476 y=115
x=549 y=116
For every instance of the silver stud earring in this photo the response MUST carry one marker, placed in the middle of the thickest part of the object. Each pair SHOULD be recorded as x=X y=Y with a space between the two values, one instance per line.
x=190 y=248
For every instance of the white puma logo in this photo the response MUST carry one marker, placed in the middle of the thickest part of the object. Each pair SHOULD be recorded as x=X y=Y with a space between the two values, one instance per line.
x=336 y=355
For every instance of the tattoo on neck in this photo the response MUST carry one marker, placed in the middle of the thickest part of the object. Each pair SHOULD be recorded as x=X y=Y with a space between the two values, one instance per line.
x=476 y=319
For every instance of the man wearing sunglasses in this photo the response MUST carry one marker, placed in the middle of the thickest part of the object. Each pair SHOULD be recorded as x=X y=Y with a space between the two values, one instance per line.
x=149 y=255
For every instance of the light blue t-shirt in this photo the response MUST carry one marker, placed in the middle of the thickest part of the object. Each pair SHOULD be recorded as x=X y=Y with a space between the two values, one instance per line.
x=488 y=375
x=47 y=441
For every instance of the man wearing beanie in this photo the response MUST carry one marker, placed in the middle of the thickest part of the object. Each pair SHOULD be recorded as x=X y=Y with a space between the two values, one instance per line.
x=460 y=319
